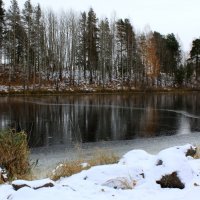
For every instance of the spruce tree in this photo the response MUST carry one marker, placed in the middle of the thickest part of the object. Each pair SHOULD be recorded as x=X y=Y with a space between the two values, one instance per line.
x=173 y=49
x=92 y=32
x=195 y=55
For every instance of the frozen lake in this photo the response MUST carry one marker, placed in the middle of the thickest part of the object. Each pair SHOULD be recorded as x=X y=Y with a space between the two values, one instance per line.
x=117 y=123
x=67 y=120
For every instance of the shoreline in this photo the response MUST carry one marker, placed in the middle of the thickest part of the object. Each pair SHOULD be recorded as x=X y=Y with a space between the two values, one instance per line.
x=49 y=157
x=51 y=92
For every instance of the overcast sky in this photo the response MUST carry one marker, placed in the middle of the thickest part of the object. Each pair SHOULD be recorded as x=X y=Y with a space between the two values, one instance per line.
x=180 y=17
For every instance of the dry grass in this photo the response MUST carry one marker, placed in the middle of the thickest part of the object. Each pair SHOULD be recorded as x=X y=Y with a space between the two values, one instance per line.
x=123 y=183
x=66 y=169
x=100 y=157
x=14 y=154
x=128 y=184
x=197 y=155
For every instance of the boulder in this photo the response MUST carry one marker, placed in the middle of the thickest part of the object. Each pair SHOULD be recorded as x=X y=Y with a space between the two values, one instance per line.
x=171 y=181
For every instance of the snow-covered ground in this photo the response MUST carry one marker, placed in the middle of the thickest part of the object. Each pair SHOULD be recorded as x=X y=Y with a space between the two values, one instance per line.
x=135 y=176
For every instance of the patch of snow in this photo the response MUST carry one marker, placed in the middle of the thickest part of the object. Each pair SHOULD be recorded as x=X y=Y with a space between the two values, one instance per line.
x=84 y=165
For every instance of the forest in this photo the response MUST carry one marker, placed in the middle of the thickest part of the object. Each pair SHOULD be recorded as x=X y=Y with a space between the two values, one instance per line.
x=44 y=49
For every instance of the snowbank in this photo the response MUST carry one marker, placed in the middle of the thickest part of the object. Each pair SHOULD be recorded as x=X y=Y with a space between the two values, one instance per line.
x=135 y=176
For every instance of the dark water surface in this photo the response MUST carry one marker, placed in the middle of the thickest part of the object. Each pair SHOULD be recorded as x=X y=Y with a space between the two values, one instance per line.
x=55 y=120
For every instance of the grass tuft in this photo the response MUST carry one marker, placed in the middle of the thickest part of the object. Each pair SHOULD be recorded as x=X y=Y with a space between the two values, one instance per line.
x=103 y=157
x=14 y=154
x=122 y=183
x=197 y=154
x=128 y=184
x=69 y=168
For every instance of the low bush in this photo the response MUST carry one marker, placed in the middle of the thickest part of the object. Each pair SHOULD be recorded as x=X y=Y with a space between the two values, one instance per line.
x=14 y=153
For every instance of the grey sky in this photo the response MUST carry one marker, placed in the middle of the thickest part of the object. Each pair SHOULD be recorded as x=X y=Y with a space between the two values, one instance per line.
x=180 y=17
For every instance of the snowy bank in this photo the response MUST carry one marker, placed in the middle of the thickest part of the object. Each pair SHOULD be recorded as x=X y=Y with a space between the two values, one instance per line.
x=137 y=175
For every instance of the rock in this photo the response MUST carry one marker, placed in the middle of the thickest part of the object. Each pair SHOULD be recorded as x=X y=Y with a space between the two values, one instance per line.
x=171 y=181
x=17 y=187
x=32 y=184
x=159 y=162
x=45 y=185
x=142 y=174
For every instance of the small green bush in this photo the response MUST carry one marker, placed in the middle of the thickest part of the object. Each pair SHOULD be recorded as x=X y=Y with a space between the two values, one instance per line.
x=14 y=153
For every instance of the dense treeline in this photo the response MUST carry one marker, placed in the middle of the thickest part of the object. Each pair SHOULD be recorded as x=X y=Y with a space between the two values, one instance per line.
x=71 y=49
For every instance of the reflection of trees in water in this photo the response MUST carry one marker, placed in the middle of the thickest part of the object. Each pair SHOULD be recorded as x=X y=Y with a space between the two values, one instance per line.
x=96 y=117
x=149 y=123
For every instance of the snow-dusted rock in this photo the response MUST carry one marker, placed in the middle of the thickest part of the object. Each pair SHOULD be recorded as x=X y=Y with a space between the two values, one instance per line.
x=18 y=184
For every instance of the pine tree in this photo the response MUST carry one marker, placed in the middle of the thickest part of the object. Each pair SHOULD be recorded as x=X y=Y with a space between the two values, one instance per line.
x=82 y=47
x=126 y=48
x=105 y=50
x=121 y=47
x=27 y=19
x=37 y=37
x=130 y=48
x=14 y=35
